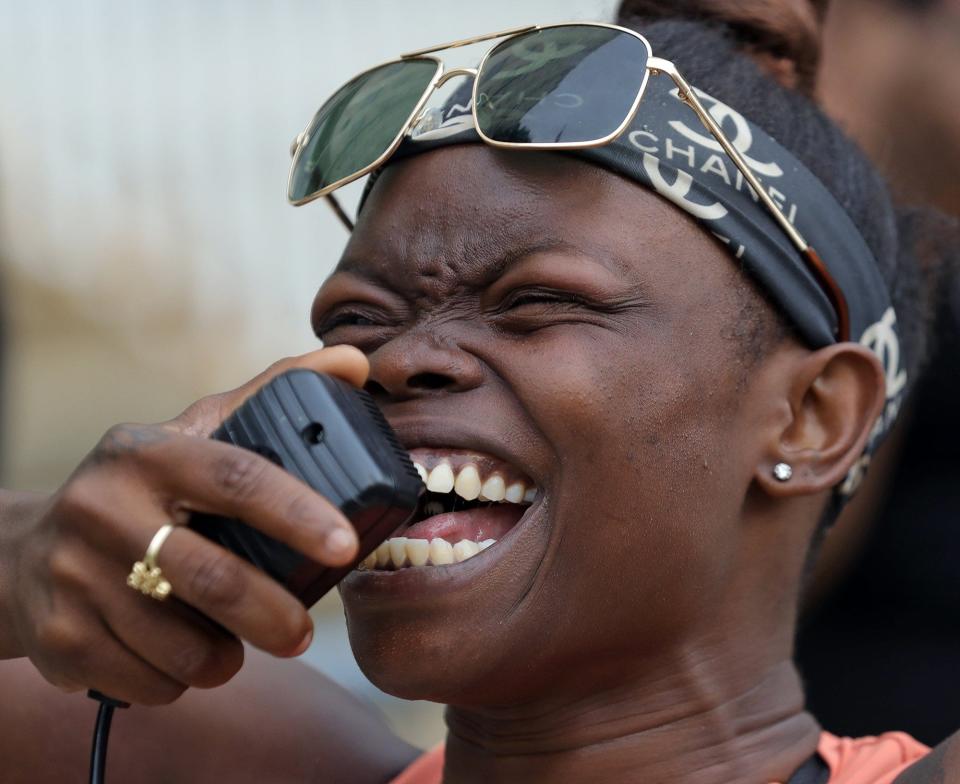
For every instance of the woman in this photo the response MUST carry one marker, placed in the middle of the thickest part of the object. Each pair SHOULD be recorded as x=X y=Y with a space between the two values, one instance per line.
x=680 y=428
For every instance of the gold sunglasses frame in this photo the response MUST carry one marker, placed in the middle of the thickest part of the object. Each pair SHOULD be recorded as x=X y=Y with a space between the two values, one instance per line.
x=655 y=66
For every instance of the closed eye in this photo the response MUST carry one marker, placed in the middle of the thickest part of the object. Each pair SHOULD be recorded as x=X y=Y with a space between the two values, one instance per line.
x=344 y=318
x=540 y=296
x=529 y=309
x=348 y=319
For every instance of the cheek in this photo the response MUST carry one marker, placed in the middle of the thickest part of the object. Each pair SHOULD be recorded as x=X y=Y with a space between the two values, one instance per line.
x=642 y=498
x=627 y=404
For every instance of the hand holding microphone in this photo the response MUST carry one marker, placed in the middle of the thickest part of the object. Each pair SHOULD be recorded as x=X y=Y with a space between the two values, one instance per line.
x=64 y=560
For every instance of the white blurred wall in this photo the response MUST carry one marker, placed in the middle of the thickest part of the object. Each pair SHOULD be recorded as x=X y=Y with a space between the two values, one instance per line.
x=148 y=253
x=143 y=157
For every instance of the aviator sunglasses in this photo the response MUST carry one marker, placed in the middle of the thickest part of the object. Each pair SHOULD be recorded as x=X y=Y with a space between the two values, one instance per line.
x=524 y=92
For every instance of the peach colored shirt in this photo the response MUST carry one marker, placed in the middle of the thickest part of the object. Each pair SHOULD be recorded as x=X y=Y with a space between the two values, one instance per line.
x=867 y=760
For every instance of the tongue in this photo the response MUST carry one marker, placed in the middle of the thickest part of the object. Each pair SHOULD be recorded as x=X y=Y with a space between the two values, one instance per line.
x=476 y=525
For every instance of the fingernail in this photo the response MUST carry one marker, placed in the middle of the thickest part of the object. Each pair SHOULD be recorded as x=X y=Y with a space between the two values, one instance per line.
x=339 y=542
x=304 y=644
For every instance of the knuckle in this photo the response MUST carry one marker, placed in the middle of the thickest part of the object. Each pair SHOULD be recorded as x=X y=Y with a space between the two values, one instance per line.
x=60 y=637
x=215 y=581
x=84 y=511
x=196 y=665
x=127 y=442
x=239 y=474
x=119 y=441
x=79 y=500
x=64 y=567
x=201 y=417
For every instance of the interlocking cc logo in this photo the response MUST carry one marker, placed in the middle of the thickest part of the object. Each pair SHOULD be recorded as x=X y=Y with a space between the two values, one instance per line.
x=678 y=191
x=741 y=137
x=881 y=338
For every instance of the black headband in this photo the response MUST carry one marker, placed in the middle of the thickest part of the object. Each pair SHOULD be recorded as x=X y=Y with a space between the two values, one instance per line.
x=667 y=149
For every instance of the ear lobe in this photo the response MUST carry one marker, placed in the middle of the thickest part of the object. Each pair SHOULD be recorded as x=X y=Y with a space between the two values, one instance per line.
x=835 y=399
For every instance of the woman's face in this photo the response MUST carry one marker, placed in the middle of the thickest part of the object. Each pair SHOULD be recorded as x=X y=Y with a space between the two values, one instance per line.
x=568 y=327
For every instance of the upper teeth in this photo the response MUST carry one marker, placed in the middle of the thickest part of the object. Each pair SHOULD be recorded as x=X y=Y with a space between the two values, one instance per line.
x=400 y=551
x=467 y=485
x=440 y=479
x=494 y=488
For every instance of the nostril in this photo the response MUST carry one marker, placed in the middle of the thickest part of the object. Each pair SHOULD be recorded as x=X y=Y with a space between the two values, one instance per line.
x=375 y=389
x=429 y=381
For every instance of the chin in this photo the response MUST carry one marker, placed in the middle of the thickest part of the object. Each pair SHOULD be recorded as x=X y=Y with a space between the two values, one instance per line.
x=436 y=612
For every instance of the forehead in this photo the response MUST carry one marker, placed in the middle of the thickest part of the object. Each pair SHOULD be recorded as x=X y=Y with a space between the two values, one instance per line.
x=464 y=209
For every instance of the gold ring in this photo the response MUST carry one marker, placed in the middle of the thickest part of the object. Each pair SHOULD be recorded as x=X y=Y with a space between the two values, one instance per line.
x=146 y=576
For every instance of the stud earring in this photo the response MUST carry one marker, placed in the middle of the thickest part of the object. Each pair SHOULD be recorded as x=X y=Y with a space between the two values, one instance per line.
x=782 y=472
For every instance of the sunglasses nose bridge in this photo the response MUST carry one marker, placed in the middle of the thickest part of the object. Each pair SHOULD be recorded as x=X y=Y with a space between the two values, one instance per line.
x=444 y=78
x=448 y=75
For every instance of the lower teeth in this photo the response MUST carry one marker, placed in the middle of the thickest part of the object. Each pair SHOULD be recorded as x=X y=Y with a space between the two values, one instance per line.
x=401 y=552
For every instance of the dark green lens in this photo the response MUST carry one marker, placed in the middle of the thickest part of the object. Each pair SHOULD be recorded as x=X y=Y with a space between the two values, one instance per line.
x=358 y=124
x=574 y=83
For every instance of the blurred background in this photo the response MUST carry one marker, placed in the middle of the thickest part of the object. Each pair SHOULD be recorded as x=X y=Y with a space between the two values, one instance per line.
x=148 y=254
x=149 y=257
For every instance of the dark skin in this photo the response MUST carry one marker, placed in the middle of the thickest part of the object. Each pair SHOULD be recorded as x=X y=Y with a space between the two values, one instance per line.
x=547 y=362
x=641 y=617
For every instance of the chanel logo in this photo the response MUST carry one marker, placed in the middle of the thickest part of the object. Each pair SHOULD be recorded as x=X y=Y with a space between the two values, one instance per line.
x=678 y=191
x=882 y=340
x=741 y=137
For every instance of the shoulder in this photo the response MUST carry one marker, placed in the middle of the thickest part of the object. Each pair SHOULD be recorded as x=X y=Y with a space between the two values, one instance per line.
x=869 y=760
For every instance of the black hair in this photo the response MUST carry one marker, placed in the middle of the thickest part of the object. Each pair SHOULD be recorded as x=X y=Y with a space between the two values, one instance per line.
x=720 y=56
x=707 y=54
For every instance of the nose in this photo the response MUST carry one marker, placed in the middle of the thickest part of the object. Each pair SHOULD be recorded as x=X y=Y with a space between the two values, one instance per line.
x=418 y=364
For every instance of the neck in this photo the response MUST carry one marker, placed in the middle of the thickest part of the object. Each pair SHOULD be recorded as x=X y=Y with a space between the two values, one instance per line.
x=674 y=728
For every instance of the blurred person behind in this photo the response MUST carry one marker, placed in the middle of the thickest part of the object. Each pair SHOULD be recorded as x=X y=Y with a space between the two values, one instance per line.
x=889 y=587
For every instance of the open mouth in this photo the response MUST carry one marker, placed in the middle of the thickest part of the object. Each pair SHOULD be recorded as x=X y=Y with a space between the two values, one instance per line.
x=472 y=501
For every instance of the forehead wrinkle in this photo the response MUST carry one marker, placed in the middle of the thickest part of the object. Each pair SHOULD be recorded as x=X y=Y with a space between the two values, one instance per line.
x=456 y=220
x=478 y=262
x=458 y=255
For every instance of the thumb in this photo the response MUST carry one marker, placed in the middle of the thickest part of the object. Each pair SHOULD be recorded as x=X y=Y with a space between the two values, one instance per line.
x=206 y=415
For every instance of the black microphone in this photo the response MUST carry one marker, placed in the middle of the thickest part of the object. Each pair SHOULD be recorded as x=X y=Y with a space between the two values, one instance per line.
x=334 y=438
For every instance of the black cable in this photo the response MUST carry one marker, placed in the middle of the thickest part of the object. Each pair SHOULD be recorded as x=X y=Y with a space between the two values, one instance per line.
x=101 y=734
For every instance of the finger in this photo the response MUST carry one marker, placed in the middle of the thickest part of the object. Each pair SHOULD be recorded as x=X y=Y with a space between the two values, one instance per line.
x=80 y=650
x=210 y=476
x=235 y=594
x=204 y=416
x=171 y=637
x=119 y=673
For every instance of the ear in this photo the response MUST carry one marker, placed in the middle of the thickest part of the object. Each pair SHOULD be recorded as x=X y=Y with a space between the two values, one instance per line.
x=834 y=397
